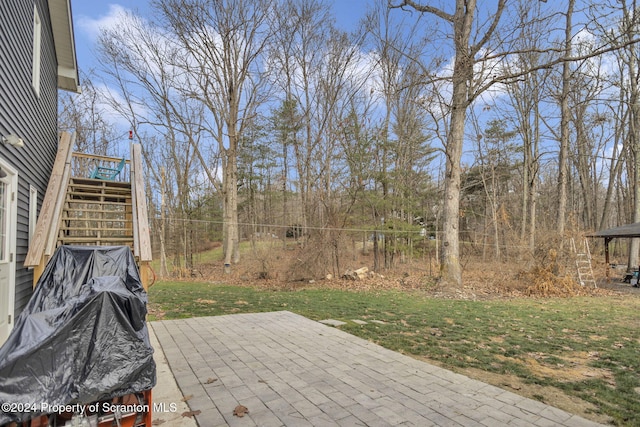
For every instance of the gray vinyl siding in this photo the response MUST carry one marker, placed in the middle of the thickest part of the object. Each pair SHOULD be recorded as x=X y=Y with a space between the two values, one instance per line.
x=32 y=118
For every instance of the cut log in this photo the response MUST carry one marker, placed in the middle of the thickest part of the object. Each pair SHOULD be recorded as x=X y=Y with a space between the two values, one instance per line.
x=358 y=274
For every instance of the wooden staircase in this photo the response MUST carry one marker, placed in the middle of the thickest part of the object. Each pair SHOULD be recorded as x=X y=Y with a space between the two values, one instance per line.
x=77 y=210
x=97 y=213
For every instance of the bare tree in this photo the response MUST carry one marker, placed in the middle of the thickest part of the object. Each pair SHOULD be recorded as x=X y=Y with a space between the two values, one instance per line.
x=464 y=90
x=618 y=25
x=86 y=114
x=310 y=57
x=589 y=123
x=145 y=92
x=398 y=147
x=630 y=30
x=225 y=42
x=564 y=124
x=524 y=103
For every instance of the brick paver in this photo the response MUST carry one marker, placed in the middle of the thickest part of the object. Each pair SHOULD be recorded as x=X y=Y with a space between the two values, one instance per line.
x=291 y=371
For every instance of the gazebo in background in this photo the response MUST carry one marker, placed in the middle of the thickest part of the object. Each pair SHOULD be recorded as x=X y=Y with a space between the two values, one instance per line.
x=624 y=231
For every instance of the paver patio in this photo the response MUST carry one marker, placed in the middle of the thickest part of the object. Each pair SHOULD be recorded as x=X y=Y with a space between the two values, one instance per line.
x=291 y=371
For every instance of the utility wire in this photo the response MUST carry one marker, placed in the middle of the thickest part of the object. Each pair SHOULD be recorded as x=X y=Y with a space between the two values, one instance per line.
x=339 y=229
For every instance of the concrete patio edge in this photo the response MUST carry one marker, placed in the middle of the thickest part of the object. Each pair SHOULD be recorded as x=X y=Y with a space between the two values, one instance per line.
x=166 y=396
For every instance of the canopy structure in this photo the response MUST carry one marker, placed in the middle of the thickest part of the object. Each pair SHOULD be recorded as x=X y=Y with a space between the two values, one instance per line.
x=627 y=230
x=623 y=231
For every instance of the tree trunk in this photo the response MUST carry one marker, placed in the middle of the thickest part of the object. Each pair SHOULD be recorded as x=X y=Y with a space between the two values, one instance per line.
x=227 y=218
x=230 y=184
x=450 y=267
x=634 y=247
x=533 y=180
x=163 y=227
x=526 y=167
x=564 y=128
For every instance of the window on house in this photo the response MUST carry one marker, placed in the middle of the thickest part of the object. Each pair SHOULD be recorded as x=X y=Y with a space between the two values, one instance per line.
x=33 y=210
x=37 y=40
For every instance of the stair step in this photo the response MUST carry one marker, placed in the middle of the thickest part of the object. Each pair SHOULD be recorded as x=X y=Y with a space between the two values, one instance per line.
x=82 y=239
x=78 y=215
x=95 y=225
x=78 y=197
x=101 y=187
x=123 y=238
x=87 y=222
x=110 y=217
x=91 y=194
x=97 y=211
x=95 y=229
x=98 y=190
x=96 y=219
x=99 y=202
x=99 y=182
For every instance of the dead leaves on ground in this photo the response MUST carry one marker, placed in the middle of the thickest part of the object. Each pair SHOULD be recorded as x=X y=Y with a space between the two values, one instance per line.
x=240 y=410
x=189 y=414
x=206 y=301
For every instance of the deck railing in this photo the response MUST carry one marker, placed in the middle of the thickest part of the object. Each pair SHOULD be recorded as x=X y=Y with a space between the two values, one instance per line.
x=141 y=234
x=49 y=218
x=83 y=164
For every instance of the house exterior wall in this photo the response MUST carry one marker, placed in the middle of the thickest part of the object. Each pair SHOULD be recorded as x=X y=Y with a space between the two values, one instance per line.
x=30 y=116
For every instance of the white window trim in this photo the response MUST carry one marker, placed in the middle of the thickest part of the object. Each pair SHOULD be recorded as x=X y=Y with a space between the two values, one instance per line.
x=33 y=211
x=37 y=47
x=12 y=179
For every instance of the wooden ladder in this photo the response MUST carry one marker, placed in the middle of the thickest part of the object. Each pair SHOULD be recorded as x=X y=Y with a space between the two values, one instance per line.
x=583 y=263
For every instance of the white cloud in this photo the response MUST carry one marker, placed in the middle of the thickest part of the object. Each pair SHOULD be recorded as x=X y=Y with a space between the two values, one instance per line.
x=114 y=106
x=93 y=26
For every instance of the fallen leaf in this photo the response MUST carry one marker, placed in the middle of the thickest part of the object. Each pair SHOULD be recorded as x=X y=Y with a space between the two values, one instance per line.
x=190 y=414
x=206 y=301
x=240 y=411
x=185 y=398
x=210 y=380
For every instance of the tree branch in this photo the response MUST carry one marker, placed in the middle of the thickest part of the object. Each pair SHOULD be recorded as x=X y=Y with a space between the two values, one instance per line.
x=423 y=8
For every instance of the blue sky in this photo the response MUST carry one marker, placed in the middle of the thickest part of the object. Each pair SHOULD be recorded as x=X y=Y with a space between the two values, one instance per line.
x=89 y=14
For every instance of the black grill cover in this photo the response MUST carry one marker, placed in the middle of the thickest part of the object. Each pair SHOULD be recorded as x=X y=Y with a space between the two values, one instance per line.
x=82 y=337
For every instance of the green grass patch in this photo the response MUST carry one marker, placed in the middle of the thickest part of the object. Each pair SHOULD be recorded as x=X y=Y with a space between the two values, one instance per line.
x=215 y=255
x=587 y=347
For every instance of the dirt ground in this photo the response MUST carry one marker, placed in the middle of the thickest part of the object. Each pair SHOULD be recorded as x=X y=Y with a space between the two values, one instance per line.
x=277 y=268
x=550 y=395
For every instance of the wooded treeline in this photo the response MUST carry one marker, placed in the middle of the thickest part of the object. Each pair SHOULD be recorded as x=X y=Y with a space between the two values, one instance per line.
x=494 y=129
